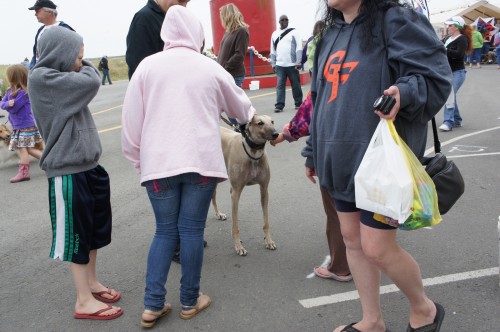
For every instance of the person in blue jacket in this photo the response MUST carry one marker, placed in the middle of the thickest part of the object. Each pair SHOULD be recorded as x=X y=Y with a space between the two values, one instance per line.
x=46 y=13
x=372 y=48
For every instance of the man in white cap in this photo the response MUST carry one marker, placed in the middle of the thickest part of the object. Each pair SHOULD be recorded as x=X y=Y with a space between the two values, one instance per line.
x=46 y=13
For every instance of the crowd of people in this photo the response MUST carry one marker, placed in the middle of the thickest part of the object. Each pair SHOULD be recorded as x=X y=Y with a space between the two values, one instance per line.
x=422 y=76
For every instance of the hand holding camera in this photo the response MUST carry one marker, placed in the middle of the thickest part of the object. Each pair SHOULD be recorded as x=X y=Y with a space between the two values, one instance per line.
x=384 y=104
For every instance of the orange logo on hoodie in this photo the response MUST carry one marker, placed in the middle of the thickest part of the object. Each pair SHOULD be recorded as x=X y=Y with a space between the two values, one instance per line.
x=332 y=71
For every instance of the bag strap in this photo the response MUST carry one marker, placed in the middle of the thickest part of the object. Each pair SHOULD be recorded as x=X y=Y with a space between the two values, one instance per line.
x=437 y=143
x=275 y=43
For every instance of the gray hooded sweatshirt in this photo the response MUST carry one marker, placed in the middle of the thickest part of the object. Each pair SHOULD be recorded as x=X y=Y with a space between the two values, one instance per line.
x=59 y=99
x=347 y=80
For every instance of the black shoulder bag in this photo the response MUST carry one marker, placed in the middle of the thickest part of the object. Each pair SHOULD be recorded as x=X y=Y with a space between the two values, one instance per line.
x=443 y=172
x=445 y=175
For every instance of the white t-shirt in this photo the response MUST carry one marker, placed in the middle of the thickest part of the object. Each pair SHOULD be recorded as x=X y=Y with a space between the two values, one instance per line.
x=449 y=40
x=41 y=33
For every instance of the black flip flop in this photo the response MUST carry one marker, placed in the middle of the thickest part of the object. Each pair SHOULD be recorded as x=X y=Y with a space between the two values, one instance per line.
x=434 y=326
x=351 y=328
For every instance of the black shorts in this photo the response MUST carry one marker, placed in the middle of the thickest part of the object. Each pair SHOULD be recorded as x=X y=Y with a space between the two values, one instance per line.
x=80 y=212
x=366 y=217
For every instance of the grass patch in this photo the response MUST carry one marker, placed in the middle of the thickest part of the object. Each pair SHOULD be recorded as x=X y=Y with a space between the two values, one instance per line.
x=118 y=70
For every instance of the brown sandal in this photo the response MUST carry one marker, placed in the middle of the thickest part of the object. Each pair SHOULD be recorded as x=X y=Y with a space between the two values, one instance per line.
x=156 y=314
x=189 y=312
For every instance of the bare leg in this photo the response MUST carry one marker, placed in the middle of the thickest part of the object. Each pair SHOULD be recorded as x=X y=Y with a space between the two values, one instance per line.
x=25 y=158
x=371 y=250
x=366 y=274
x=94 y=284
x=85 y=301
x=402 y=269
x=35 y=153
x=338 y=263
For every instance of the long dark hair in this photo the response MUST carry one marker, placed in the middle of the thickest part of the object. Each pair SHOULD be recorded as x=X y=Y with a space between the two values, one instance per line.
x=367 y=9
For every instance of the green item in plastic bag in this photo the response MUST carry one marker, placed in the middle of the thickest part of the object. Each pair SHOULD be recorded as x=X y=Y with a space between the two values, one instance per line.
x=425 y=211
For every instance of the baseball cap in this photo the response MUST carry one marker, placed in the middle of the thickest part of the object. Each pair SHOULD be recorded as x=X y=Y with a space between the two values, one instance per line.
x=43 y=4
x=456 y=20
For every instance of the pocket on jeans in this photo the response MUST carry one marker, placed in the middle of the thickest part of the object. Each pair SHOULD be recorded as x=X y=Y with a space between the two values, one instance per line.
x=202 y=182
x=156 y=187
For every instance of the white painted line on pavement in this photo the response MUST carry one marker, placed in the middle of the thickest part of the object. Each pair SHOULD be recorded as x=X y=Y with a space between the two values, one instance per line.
x=353 y=295
x=474 y=155
x=430 y=150
x=109 y=129
x=107 y=110
x=325 y=263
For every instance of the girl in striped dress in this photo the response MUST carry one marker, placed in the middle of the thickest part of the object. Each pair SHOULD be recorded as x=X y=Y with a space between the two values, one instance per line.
x=25 y=134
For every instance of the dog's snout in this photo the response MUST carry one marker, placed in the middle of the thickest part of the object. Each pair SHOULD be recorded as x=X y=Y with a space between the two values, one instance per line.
x=275 y=135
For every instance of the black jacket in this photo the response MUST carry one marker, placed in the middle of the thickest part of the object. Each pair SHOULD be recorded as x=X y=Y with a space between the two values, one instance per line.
x=103 y=64
x=456 y=51
x=143 y=37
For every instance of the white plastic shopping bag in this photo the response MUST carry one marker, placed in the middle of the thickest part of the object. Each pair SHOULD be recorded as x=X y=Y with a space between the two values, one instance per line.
x=383 y=183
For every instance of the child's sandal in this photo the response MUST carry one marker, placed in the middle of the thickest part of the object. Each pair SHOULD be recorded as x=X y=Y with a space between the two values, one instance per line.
x=156 y=314
x=189 y=312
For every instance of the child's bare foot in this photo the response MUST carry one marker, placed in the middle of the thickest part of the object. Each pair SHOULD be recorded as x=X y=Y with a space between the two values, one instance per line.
x=108 y=295
x=105 y=294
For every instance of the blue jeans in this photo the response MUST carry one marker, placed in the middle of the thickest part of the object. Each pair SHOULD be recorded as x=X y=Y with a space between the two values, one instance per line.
x=239 y=82
x=475 y=57
x=452 y=116
x=105 y=73
x=293 y=75
x=180 y=204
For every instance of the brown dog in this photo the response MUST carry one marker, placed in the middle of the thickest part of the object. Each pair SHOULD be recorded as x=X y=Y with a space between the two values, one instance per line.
x=5 y=154
x=246 y=163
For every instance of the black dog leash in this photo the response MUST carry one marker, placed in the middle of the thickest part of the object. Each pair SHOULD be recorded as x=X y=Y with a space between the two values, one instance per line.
x=232 y=125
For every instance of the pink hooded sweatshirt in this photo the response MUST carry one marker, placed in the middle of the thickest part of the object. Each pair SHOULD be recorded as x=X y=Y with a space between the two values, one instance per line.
x=171 y=112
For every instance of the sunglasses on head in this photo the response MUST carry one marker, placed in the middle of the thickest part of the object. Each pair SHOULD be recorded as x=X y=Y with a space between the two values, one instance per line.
x=284 y=19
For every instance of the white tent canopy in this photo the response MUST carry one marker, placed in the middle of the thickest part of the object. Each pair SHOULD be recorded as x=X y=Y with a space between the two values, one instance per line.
x=470 y=13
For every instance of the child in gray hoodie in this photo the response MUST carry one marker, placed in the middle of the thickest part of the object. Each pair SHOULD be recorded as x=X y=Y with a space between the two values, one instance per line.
x=61 y=85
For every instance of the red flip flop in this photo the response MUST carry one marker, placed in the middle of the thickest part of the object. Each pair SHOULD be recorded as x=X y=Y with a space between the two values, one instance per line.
x=100 y=297
x=97 y=315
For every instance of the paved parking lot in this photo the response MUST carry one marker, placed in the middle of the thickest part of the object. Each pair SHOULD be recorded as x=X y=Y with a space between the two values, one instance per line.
x=266 y=290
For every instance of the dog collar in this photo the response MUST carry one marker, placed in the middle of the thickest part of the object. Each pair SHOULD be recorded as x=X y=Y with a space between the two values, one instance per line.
x=250 y=143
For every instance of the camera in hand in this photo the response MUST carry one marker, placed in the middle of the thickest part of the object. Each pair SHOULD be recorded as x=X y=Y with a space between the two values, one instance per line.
x=384 y=104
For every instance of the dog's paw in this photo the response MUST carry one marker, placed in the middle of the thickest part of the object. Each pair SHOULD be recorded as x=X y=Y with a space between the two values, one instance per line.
x=270 y=245
x=221 y=216
x=240 y=250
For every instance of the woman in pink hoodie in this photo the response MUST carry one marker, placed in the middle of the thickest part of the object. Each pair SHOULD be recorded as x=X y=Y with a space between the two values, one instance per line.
x=170 y=133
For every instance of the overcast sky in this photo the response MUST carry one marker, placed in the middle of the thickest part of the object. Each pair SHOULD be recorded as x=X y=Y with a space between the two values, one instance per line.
x=104 y=23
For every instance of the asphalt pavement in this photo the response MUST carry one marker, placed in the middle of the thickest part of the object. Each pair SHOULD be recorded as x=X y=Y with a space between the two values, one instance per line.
x=266 y=290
